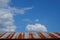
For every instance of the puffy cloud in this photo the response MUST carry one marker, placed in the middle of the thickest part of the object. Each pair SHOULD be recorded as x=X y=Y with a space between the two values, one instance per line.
x=6 y=20
x=4 y=3
x=7 y=14
x=36 y=27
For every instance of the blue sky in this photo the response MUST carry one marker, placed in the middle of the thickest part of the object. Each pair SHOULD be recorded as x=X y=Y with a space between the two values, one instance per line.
x=44 y=12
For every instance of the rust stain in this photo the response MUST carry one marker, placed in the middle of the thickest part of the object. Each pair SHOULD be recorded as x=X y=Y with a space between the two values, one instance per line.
x=41 y=35
x=52 y=36
x=57 y=33
x=31 y=35
x=2 y=34
x=10 y=35
x=21 y=36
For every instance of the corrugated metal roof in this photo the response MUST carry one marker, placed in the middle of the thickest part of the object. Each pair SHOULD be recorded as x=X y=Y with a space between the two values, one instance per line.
x=29 y=35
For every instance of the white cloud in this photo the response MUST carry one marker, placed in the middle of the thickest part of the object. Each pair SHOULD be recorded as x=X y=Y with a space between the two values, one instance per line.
x=6 y=20
x=30 y=20
x=36 y=20
x=20 y=11
x=7 y=14
x=26 y=20
x=36 y=27
x=4 y=3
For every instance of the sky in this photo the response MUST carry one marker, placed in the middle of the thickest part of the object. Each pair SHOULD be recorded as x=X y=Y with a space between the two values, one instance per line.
x=30 y=15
